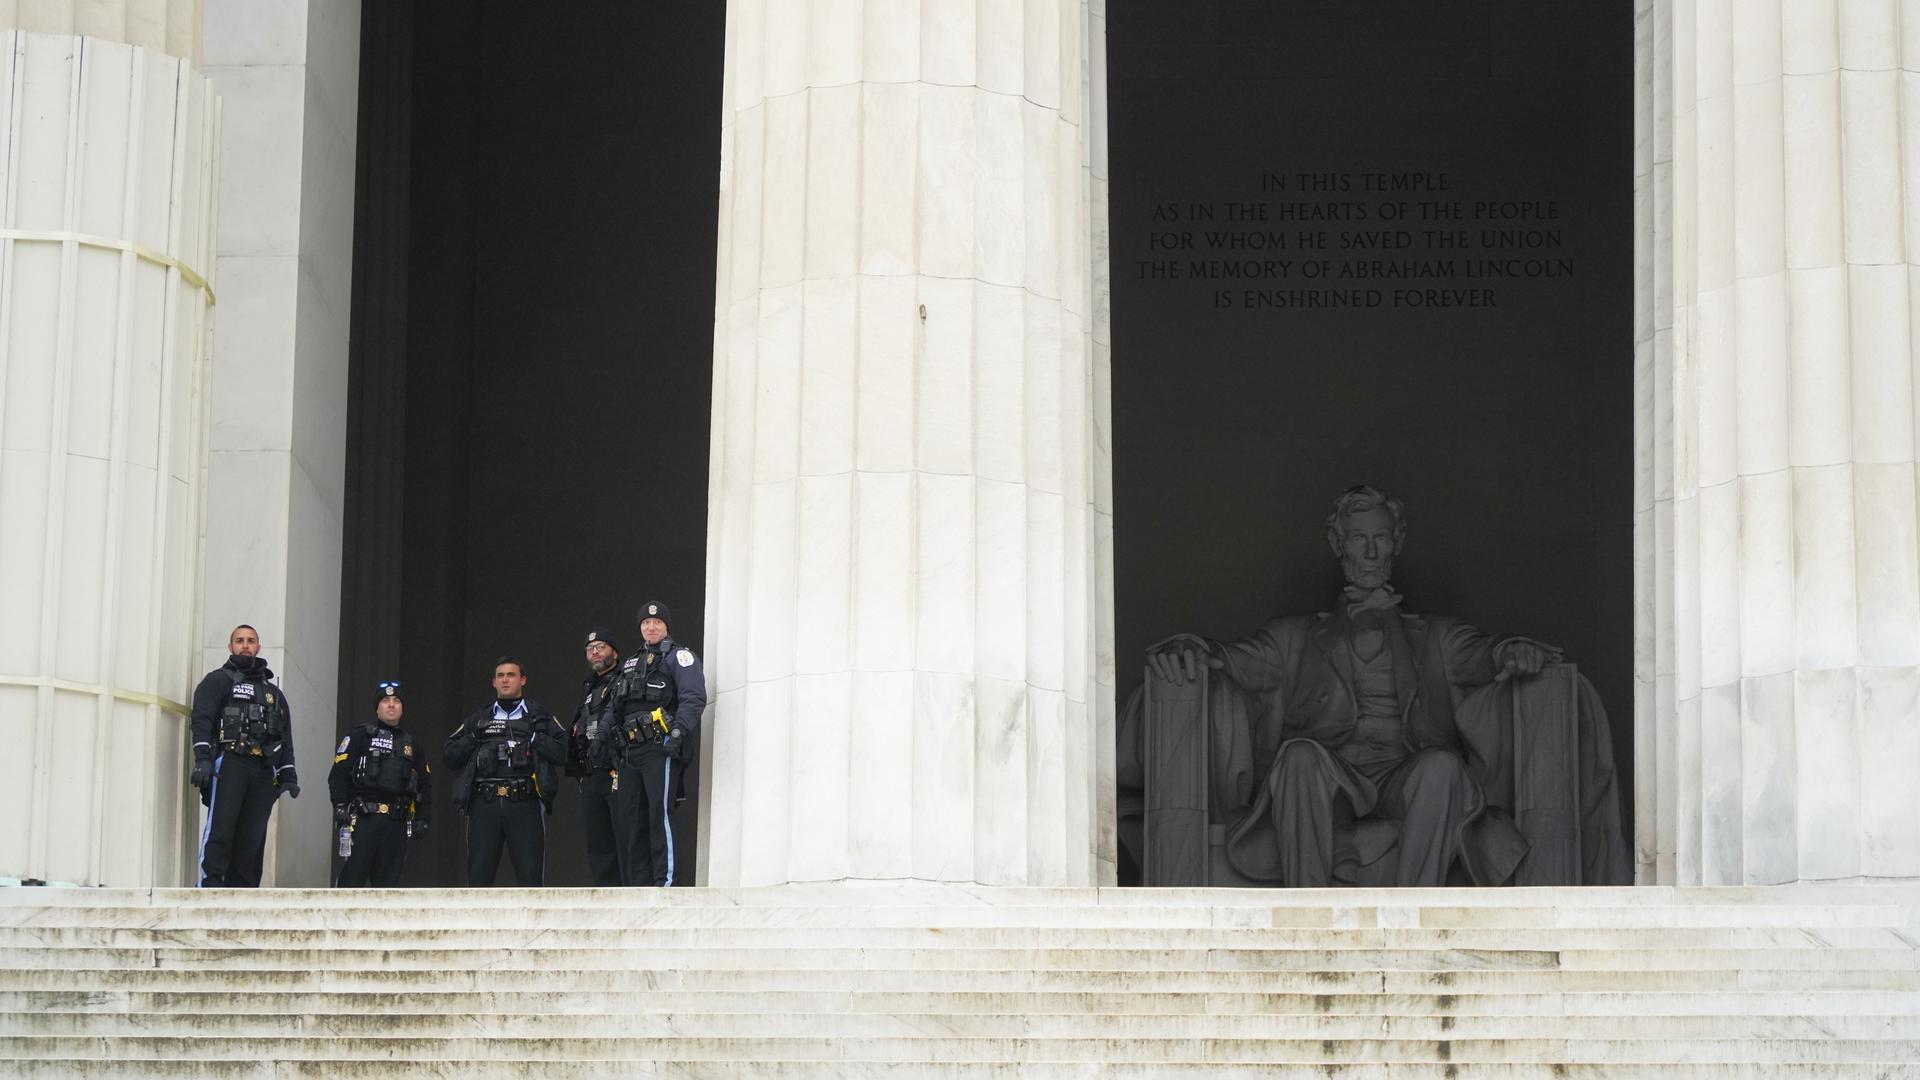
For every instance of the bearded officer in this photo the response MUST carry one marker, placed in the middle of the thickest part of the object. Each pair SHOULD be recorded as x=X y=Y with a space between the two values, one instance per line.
x=382 y=792
x=242 y=761
x=657 y=702
x=506 y=756
x=590 y=757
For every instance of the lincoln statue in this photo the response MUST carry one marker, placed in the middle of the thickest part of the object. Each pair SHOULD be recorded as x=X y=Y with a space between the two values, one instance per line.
x=1371 y=745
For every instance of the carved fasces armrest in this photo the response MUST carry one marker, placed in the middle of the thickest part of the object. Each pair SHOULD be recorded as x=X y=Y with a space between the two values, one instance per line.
x=1175 y=762
x=1181 y=659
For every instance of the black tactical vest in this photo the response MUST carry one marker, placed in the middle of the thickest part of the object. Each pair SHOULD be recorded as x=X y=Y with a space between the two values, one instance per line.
x=385 y=763
x=647 y=687
x=506 y=749
x=595 y=750
x=250 y=719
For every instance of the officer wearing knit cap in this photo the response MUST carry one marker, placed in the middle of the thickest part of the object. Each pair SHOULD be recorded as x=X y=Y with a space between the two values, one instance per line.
x=590 y=757
x=382 y=792
x=656 y=704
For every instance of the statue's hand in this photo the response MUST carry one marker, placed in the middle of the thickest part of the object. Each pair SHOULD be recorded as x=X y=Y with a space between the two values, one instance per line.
x=1523 y=658
x=1182 y=660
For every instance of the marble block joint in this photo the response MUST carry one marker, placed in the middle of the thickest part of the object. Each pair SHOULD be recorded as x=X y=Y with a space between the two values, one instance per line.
x=1777 y=556
x=909 y=564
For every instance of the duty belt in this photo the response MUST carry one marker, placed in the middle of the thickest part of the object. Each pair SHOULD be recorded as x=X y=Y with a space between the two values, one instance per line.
x=652 y=724
x=508 y=789
x=394 y=809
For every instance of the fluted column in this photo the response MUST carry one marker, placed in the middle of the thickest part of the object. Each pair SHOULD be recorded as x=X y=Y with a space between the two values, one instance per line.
x=1779 y=615
x=909 y=572
x=171 y=27
x=106 y=253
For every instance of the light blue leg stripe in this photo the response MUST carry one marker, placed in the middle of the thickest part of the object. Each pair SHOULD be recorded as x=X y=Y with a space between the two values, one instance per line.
x=207 y=829
x=666 y=817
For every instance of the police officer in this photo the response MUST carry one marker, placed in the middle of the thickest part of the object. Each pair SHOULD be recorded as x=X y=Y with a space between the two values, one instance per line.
x=590 y=758
x=507 y=755
x=656 y=703
x=382 y=788
x=242 y=761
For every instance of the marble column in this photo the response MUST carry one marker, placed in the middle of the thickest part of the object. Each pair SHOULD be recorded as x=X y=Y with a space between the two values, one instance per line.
x=909 y=571
x=1779 y=558
x=106 y=298
x=287 y=72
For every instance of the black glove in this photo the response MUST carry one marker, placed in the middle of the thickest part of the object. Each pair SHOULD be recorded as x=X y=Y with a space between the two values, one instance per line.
x=341 y=814
x=675 y=743
x=202 y=775
x=289 y=781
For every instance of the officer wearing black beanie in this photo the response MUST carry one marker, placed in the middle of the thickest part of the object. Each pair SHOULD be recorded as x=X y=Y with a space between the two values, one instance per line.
x=382 y=792
x=657 y=703
x=591 y=758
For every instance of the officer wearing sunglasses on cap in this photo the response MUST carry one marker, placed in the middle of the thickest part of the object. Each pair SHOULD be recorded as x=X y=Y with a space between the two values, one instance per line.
x=382 y=788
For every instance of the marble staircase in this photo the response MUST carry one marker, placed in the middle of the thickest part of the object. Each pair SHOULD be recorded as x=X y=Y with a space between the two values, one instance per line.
x=958 y=981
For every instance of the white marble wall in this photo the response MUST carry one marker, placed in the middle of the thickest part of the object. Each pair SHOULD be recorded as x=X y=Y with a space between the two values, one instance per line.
x=287 y=74
x=1779 y=607
x=909 y=602
x=105 y=245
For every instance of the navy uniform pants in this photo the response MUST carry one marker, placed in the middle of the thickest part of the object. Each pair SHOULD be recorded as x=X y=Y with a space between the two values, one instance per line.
x=597 y=810
x=496 y=824
x=379 y=851
x=233 y=843
x=643 y=819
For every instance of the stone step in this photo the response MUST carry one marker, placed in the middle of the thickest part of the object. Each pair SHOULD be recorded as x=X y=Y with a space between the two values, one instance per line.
x=1007 y=1024
x=855 y=894
x=998 y=937
x=963 y=1049
x=349 y=909
x=337 y=1069
x=911 y=980
x=536 y=955
x=639 y=1002
x=399 y=980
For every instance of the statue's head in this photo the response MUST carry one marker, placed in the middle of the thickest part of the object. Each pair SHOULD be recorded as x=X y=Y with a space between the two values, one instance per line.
x=1366 y=530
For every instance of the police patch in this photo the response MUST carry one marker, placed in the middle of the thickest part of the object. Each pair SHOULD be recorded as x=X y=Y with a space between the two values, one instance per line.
x=343 y=745
x=631 y=663
x=685 y=656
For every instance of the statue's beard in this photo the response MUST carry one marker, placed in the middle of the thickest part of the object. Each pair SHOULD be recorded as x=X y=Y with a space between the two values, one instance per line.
x=1374 y=577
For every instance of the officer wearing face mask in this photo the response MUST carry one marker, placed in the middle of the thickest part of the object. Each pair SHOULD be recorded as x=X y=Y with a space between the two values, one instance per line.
x=507 y=756
x=656 y=704
x=382 y=792
x=242 y=761
x=590 y=758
